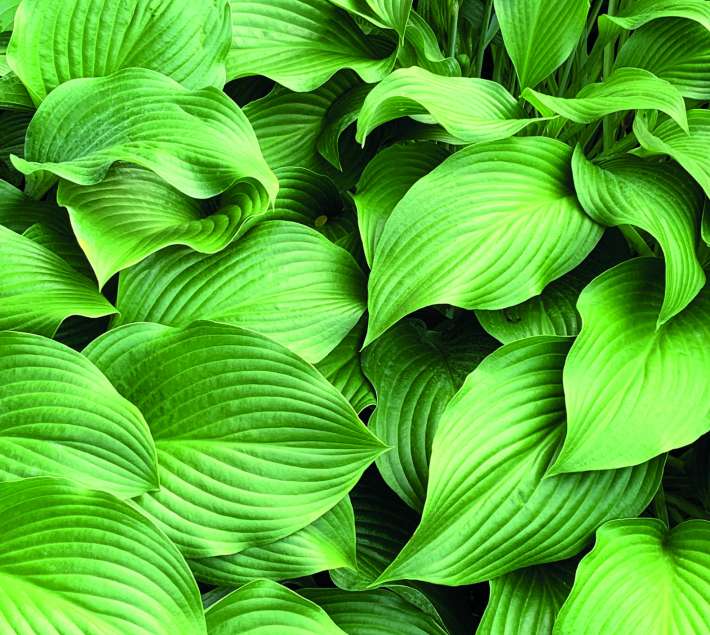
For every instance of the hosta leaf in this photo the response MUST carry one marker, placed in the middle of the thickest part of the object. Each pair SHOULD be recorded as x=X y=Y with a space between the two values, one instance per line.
x=253 y=443
x=487 y=510
x=526 y=601
x=447 y=100
x=641 y=578
x=635 y=14
x=387 y=14
x=53 y=42
x=415 y=373
x=540 y=34
x=75 y=560
x=706 y=225
x=625 y=89
x=327 y=543
x=264 y=607
x=282 y=279
x=18 y=211
x=304 y=196
x=133 y=213
x=39 y=290
x=61 y=417
x=198 y=141
x=658 y=198
x=690 y=150
x=13 y=94
x=7 y=14
x=628 y=403
x=421 y=48
x=13 y=128
x=385 y=180
x=301 y=44
x=505 y=224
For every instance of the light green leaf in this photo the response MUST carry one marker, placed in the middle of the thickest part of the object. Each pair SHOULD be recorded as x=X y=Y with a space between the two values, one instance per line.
x=386 y=14
x=505 y=224
x=133 y=213
x=642 y=578
x=282 y=279
x=18 y=211
x=447 y=101
x=690 y=150
x=62 y=417
x=633 y=15
x=421 y=48
x=43 y=289
x=253 y=443
x=327 y=543
x=487 y=510
x=301 y=44
x=75 y=560
x=7 y=14
x=54 y=42
x=415 y=373
x=526 y=601
x=658 y=198
x=384 y=182
x=625 y=89
x=634 y=390
x=540 y=34
x=13 y=94
x=197 y=141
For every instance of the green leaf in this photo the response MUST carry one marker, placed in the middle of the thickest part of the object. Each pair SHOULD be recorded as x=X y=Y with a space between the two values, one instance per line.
x=327 y=543
x=19 y=212
x=54 y=42
x=690 y=150
x=253 y=443
x=415 y=373
x=43 y=289
x=475 y=248
x=421 y=48
x=625 y=89
x=7 y=14
x=487 y=509
x=540 y=34
x=384 y=182
x=633 y=15
x=263 y=607
x=705 y=229
x=628 y=403
x=61 y=417
x=640 y=578
x=75 y=560
x=447 y=101
x=386 y=14
x=198 y=141
x=304 y=196
x=13 y=128
x=301 y=45
x=133 y=213
x=658 y=198
x=282 y=279
x=525 y=601
x=13 y=94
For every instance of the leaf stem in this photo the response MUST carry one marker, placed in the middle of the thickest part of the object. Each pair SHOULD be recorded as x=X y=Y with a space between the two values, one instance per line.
x=453 y=28
x=608 y=130
x=482 y=39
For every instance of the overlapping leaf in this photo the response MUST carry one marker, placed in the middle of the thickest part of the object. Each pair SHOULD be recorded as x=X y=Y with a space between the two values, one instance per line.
x=635 y=14
x=387 y=14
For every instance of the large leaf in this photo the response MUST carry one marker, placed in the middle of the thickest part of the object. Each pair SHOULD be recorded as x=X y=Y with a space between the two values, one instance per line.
x=642 y=578
x=633 y=15
x=198 y=141
x=634 y=390
x=505 y=224
x=414 y=91
x=54 y=42
x=658 y=198
x=40 y=290
x=253 y=443
x=625 y=89
x=540 y=34
x=301 y=44
x=488 y=510
x=282 y=279
x=74 y=560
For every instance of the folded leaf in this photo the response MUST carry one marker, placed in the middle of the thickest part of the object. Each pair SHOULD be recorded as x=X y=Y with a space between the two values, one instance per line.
x=506 y=223
x=641 y=578
x=282 y=279
x=75 y=560
x=304 y=196
x=253 y=443
x=198 y=141
x=387 y=14
x=487 y=510
x=634 y=390
x=635 y=14
x=54 y=42
x=421 y=48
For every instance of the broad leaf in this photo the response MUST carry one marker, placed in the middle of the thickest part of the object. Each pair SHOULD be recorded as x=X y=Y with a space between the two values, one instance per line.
x=628 y=403
x=73 y=560
x=54 y=42
x=282 y=279
x=487 y=510
x=505 y=224
x=633 y=15
x=233 y=414
x=641 y=578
